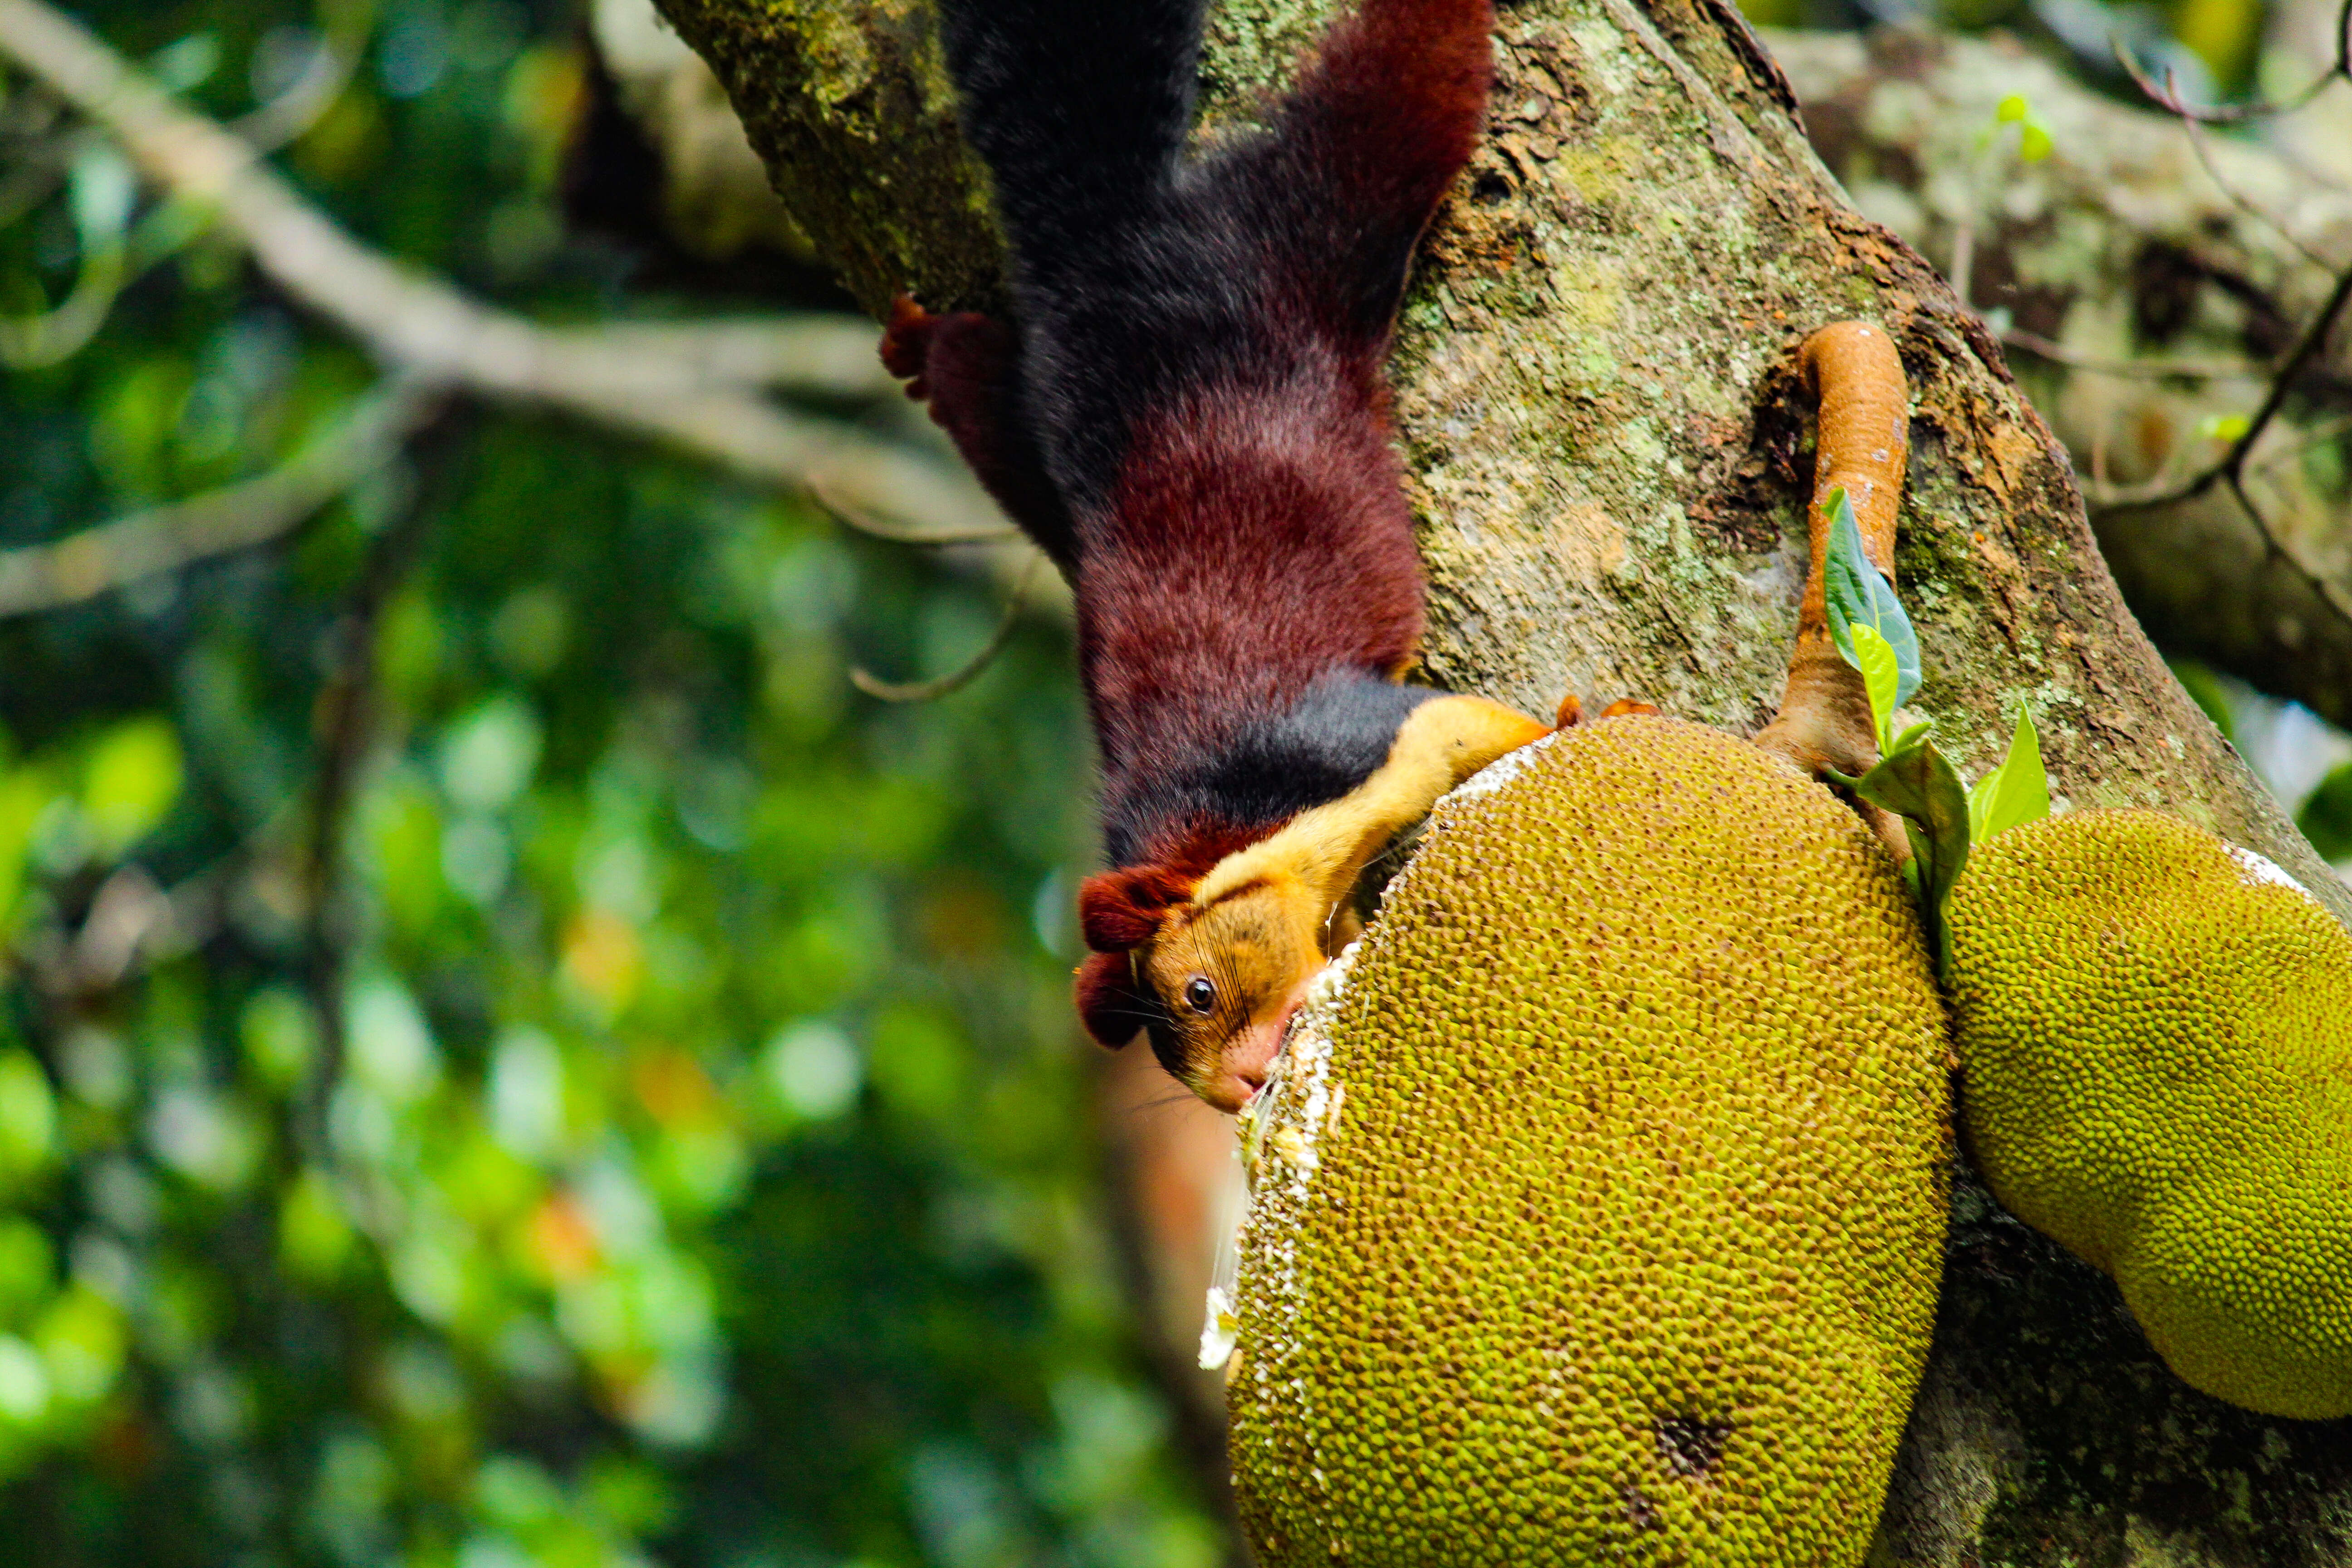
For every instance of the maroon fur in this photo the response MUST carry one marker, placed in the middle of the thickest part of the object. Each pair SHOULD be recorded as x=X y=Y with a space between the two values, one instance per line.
x=1112 y=1004
x=1120 y=910
x=1256 y=538
x=1383 y=119
x=961 y=365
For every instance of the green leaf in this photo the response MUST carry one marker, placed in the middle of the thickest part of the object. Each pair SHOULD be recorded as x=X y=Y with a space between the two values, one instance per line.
x=2326 y=817
x=1860 y=594
x=1980 y=800
x=1874 y=656
x=2014 y=793
x=1919 y=785
x=28 y=1116
x=1912 y=736
x=314 y=1237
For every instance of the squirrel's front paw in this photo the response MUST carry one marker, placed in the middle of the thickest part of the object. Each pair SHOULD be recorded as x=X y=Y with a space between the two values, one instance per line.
x=907 y=344
x=1571 y=711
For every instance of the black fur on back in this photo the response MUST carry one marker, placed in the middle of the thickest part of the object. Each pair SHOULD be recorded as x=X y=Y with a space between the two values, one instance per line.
x=1139 y=275
x=1079 y=108
x=1274 y=767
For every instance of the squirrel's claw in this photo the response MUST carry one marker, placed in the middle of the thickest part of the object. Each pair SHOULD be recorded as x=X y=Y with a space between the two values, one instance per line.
x=907 y=344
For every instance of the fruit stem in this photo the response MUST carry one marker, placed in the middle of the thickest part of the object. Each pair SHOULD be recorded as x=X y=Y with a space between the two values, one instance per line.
x=1857 y=380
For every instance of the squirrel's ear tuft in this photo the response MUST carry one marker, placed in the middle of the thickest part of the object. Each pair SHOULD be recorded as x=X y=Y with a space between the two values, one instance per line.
x=1121 y=910
x=1111 y=1005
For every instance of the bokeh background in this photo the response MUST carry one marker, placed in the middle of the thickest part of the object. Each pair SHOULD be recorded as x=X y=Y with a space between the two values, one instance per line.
x=512 y=1057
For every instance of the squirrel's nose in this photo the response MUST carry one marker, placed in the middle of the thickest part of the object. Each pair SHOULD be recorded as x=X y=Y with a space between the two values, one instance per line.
x=1249 y=1055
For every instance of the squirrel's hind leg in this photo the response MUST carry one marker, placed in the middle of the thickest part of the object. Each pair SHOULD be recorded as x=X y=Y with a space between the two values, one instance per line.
x=1364 y=148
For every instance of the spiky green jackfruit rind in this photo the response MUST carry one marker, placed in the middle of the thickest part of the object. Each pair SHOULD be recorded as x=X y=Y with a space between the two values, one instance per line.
x=2156 y=1043
x=1597 y=1213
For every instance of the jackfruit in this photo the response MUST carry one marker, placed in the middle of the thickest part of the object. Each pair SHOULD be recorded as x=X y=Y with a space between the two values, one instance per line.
x=2155 y=1033
x=1597 y=1211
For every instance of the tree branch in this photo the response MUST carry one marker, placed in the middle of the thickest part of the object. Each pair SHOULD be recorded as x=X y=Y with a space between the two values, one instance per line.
x=2169 y=95
x=963 y=675
x=165 y=538
x=690 y=388
x=2155 y=369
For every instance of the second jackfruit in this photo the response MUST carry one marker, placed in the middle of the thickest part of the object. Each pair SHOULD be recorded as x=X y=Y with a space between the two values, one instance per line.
x=2155 y=1033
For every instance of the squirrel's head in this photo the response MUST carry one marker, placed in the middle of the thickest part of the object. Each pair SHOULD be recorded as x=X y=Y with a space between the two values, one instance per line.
x=1212 y=973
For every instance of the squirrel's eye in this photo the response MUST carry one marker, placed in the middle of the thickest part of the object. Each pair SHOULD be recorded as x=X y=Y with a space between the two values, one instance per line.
x=1199 y=995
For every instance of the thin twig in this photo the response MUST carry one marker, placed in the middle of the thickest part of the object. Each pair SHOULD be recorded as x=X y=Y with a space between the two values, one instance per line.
x=2168 y=95
x=2275 y=548
x=861 y=521
x=2230 y=470
x=2232 y=464
x=2313 y=344
x=2318 y=436
x=162 y=539
x=954 y=681
x=2056 y=352
x=1964 y=256
x=53 y=336
x=833 y=355
x=440 y=335
x=2243 y=203
x=298 y=106
x=45 y=338
x=345 y=722
x=2294 y=158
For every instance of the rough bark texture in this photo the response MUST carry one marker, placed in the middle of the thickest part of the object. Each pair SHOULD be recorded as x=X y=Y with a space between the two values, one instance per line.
x=848 y=103
x=715 y=199
x=1594 y=382
x=2122 y=248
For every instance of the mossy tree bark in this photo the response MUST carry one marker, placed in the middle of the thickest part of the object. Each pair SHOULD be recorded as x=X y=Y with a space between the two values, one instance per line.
x=1594 y=381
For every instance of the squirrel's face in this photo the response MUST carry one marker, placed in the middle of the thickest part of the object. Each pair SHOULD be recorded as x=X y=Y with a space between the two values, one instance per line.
x=1227 y=976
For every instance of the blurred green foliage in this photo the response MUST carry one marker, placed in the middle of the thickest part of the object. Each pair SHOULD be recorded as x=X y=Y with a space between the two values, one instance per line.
x=2327 y=815
x=2306 y=762
x=676 y=1147
x=2208 y=689
x=2211 y=47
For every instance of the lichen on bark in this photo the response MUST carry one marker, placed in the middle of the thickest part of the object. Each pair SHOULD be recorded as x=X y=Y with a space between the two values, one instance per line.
x=1594 y=391
x=851 y=107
